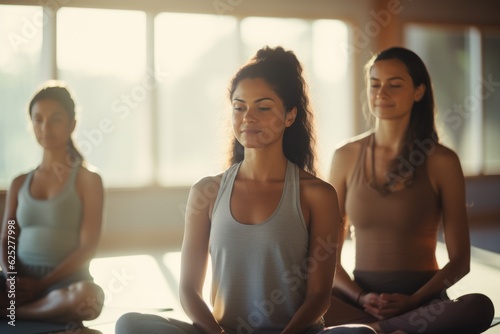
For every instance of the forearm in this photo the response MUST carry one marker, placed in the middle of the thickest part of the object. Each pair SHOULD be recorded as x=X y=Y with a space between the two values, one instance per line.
x=197 y=310
x=346 y=285
x=451 y=273
x=308 y=314
x=69 y=265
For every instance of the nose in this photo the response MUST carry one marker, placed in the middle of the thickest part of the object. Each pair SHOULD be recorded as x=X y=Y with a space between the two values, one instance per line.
x=249 y=116
x=380 y=92
x=44 y=126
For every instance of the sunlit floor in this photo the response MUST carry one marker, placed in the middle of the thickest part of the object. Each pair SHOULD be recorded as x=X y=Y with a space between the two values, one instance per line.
x=149 y=284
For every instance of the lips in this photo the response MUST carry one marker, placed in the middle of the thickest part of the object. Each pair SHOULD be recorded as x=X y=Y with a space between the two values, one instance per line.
x=250 y=131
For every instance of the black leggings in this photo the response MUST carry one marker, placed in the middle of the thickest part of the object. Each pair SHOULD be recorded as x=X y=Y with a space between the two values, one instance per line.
x=469 y=314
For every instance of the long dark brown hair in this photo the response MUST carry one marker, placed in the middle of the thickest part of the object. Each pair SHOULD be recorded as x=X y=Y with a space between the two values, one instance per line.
x=421 y=127
x=61 y=95
x=283 y=72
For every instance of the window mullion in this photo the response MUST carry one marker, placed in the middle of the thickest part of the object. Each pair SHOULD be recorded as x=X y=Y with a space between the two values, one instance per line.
x=475 y=101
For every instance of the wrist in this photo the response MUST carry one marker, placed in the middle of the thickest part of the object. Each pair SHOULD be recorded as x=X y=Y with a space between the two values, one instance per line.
x=414 y=300
x=359 y=298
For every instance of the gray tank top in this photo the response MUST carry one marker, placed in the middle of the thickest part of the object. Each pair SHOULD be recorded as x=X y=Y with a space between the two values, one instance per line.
x=259 y=280
x=50 y=228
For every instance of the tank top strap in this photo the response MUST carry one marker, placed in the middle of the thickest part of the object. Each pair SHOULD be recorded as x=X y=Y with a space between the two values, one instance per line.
x=25 y=188
x=292 y=189
x=73 y=175
x=226 y=186
x=358 y=174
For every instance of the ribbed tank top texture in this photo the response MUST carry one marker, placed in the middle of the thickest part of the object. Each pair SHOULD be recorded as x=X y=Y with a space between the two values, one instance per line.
x=258 y=270
x=399 y=228
x=50 y=228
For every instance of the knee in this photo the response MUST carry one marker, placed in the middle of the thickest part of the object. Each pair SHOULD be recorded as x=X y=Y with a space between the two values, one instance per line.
x=88 y=299
x=125 y=324
x=480 y=307
x=480 y=302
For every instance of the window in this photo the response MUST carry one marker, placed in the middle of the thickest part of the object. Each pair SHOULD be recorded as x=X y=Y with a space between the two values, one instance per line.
x=192 y=99
x=105 y=65
x=21 y=34
x=464 y=69
x=194 y=110
x=491 y=97
x=151 y=89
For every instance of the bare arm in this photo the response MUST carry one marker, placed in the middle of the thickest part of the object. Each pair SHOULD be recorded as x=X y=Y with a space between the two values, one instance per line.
x=324 y=225
x=10 y=215
x=342 y=165
x=195 y=257
x=445 y=170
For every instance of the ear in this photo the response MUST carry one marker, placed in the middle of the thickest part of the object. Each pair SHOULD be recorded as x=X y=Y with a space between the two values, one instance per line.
x=73 y=126
x=419 y=92
x=290 y=117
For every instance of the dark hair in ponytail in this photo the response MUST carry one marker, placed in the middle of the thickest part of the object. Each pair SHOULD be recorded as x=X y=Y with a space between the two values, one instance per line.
x=422 y=125
x=283 y=72
x=59 y=93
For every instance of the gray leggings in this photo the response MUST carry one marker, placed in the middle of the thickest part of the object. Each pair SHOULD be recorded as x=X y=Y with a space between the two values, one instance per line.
x=137 y=323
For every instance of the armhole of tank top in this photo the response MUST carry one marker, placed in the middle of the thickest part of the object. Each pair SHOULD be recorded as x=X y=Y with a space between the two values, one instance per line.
x=24 y=190
x=360 y=161
x=74 y=174
x=298 y=204
x=222 y=184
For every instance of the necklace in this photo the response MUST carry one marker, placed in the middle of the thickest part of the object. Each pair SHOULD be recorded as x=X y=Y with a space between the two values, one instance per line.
x=384 y=188
x=374 y=179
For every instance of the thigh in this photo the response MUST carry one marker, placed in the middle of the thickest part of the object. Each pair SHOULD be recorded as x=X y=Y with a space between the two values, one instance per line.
x=343 y=312
x=471 y=313
x=133 y=323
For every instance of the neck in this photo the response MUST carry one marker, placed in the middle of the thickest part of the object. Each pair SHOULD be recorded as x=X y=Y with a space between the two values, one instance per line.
x=391 y=133
x=262 y=165
x=59 y=157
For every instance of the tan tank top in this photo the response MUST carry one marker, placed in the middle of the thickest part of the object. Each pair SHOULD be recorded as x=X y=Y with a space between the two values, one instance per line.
x=394 y=231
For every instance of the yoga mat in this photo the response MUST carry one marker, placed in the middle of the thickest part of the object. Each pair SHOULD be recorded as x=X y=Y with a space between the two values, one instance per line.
x=34 y=327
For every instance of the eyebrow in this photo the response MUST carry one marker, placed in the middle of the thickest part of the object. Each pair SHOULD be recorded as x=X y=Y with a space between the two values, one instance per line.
x=391 y=78
x=256 y=101
x=54 y=114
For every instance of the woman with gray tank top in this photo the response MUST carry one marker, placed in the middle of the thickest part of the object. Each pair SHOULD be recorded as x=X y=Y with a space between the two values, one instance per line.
x=52 y=223
x=395 y=185
x=267 y=223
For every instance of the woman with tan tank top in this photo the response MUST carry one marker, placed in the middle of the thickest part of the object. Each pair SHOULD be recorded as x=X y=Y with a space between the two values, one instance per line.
x=395 y=185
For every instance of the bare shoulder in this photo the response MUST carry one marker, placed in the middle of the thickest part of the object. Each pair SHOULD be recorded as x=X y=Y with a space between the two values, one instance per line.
x=349 y=150
x=206 y=189
x=207 y=184
x=315 y=189
x=202 y=196
x=89 y=178
x=17 y=182
x=444 y=167
x=345 y=159
x=11 y=196
x=442 y=158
